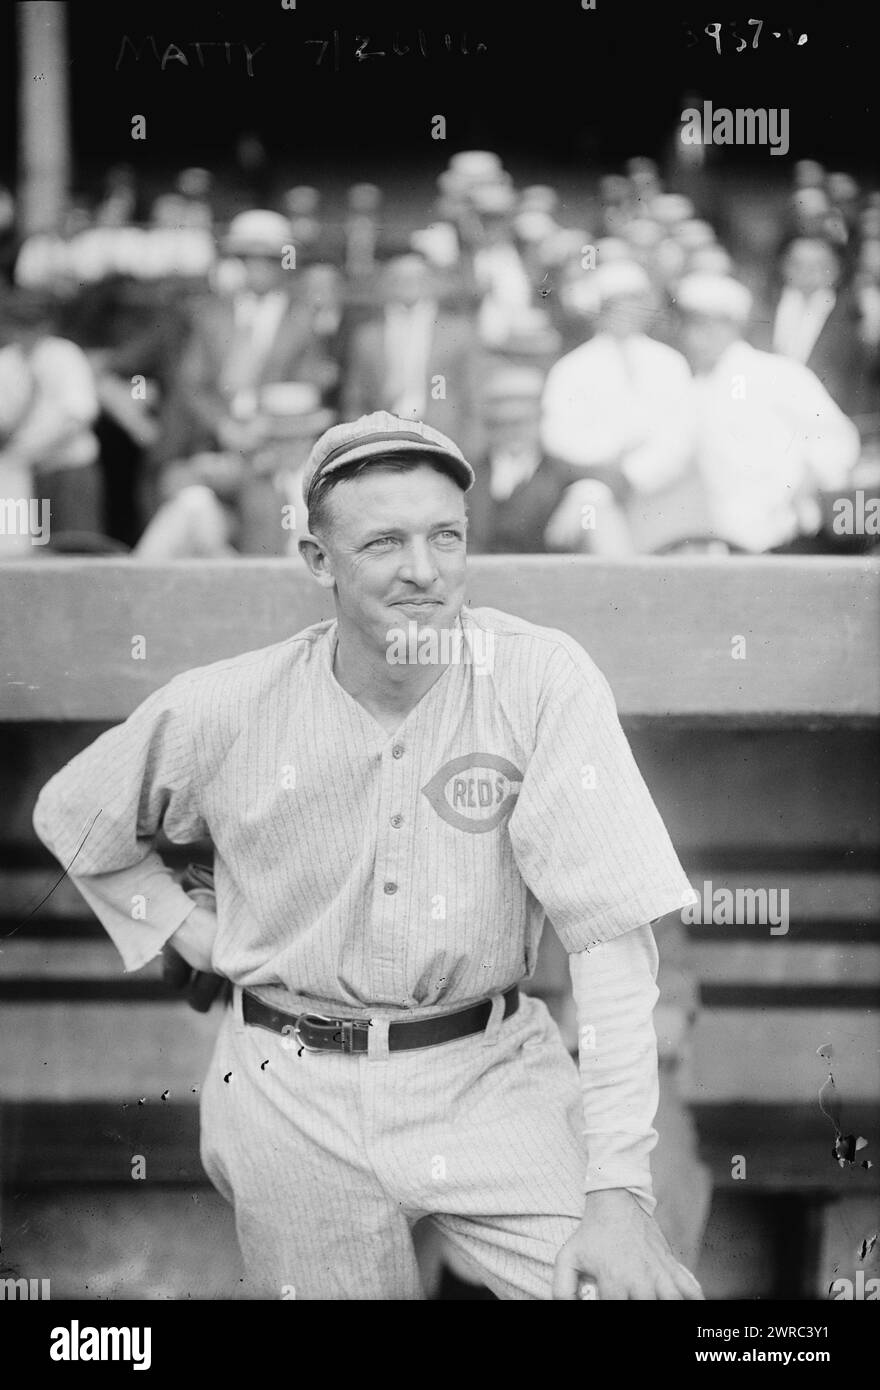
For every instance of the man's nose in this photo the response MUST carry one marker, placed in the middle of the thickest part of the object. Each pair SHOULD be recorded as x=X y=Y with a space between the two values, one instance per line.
x=418 y=564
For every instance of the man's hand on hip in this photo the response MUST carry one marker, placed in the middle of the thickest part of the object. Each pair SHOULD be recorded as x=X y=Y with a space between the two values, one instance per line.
x=194 y=940
x=623 y=1252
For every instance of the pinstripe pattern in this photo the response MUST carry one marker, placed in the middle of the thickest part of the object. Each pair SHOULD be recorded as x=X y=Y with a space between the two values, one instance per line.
x=330 y=1160
x=364 y=885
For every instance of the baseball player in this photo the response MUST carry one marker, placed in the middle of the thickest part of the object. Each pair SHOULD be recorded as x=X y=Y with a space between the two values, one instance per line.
x=397 y=798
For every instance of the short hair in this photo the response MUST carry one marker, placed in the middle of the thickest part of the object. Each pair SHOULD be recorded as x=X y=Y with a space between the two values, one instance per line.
x=318 y=509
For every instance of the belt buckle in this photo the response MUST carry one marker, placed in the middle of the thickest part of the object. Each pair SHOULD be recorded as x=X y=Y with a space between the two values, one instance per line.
x=320 y=1020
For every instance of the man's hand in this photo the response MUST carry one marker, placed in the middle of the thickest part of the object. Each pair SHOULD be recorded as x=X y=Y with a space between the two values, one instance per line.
x=623 y=1252
x=187 y=956
x=194 y=940
x=588 y=518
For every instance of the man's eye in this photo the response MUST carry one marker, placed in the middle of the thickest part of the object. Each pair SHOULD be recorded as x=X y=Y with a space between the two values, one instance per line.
x=380 y=540
x=456 y=535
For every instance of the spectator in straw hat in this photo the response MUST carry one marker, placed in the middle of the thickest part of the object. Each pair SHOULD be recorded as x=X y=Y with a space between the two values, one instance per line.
x=620 y=410
x=237 y=343
x=769 y=436
x=499 y=272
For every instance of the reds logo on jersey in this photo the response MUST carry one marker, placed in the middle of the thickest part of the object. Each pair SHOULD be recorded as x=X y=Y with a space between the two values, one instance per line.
x=475 y=792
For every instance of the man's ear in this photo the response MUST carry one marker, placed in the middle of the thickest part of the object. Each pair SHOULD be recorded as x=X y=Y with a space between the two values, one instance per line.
x=317 y=558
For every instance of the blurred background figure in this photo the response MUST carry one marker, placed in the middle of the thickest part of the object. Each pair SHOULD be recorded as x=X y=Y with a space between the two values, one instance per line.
x=7 y=234
x=263 y=332
x=714 y=260
x=616 y=203
x=866 y=291
x=48 y=447
x=118 y=205
x=644 y=178
x=620 y=410
x=415 y=357
x=323 y=300
x=808 y=173
x=516 y=489
x=301 y=206
x=195 y=187
x=252 y=167
x=816 y=321
x=808 y=212
x=278 y=327
x=441 y=309
x=499 y=273
x=362 y=227
x=249 y=502
x=844 y=195
x=769 y=435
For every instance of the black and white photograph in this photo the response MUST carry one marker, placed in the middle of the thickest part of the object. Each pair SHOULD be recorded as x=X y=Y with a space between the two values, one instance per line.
x=439 y=667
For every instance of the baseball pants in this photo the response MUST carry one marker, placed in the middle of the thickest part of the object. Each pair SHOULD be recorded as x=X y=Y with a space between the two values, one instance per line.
x=329 y=1160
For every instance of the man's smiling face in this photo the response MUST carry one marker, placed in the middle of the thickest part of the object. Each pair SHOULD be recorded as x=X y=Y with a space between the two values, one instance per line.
x=396 y=546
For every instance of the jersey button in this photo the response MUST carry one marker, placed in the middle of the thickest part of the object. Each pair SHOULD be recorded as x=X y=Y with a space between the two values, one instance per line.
x=390 y=887
x=397 y=821
x=397 y=750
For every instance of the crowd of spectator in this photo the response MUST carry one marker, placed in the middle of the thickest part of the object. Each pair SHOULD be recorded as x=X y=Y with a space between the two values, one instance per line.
x=625 y=387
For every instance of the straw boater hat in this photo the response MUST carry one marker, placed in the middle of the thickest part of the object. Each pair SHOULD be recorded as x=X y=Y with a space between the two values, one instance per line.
x=257 y=232
x=293 y=409
x=714 y=296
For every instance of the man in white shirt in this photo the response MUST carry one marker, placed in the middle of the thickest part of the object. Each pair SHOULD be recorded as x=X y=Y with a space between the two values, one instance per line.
x=500 y=275
x=49 y=406
x=410 y=314
x=621 y=409
x=769 y=435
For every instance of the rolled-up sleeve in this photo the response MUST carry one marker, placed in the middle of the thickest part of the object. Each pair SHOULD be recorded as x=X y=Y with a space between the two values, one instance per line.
x=101 y=815
x=588 y=840
x=615 y=992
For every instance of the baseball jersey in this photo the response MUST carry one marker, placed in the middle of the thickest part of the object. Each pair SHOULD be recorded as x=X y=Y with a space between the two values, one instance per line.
x=360 y=869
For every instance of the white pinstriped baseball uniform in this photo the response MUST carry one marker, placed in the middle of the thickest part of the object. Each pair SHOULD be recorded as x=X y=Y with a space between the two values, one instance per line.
x=361 y=873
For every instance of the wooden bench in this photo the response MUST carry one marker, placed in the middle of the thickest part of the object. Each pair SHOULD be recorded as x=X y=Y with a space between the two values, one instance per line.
x=763 y=764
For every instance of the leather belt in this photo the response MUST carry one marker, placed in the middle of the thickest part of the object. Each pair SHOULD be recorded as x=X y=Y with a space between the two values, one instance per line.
x=318 y=1033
